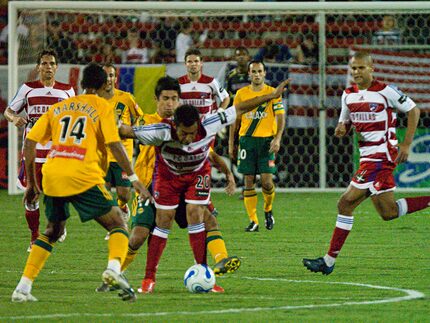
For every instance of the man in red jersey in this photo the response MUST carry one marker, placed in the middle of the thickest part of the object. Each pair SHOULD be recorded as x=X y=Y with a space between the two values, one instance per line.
x=183 y=169
x=31 y=101
x=369 y=106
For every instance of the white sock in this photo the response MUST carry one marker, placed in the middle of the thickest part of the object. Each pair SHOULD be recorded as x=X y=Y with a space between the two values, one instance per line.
x=329 y=260
x=114 y=265
x=24 y=285
x=402 y=207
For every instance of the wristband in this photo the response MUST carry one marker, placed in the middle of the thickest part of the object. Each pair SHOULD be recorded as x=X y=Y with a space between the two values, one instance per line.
x=133 y=178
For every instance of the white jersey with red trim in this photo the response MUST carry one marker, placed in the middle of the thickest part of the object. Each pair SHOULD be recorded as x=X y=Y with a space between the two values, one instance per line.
x=372 y=113
x=179 y=158
x=201 y=93
x=34 y=99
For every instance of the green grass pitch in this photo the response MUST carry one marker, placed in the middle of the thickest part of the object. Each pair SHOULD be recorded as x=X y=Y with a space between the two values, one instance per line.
x=271 y=286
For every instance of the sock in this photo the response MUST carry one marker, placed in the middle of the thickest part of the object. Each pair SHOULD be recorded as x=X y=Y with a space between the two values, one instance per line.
x=118 y=244
x=24 y=285
x=32 y=216
x=340 y=233
x=412 y=204
x=269 y=196
x=250 y=200
x=40 y=252
x=121 y=203
x=114 y=265
x=216 y=245
x=131 y=254
x=156 y=245
x=197 y=236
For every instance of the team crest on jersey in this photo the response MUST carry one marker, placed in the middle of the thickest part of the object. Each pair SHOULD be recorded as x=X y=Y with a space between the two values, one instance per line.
x=373 y=106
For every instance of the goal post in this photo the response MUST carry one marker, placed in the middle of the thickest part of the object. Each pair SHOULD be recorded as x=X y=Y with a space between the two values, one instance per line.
x=311 y=158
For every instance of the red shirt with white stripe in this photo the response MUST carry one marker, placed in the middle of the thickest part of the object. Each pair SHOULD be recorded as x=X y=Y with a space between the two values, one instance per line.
x=201 y=93
x=34 y=99
x=373 y=114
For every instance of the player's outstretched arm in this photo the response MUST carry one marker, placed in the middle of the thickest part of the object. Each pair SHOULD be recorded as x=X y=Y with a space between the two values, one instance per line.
x=413 y=118
x=126 y=131
x=219 y=163
x=32 y=191
x=248 y=105
x=120 y=155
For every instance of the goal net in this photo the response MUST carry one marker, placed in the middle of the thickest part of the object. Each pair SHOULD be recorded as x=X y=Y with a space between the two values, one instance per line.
x=307 y=42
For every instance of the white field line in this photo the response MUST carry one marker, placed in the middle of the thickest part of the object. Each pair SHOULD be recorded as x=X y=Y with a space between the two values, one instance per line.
x=409 y=295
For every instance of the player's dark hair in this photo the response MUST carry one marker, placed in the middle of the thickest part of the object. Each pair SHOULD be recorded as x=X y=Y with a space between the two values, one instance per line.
x=167 y=83
x=186 y=115
x=193 y=51
x=256 y=61
x=94 y=76
x=49 y=52
x=241 y=48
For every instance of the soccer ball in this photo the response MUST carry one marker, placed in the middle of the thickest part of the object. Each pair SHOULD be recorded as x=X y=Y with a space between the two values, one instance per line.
x=199 y=279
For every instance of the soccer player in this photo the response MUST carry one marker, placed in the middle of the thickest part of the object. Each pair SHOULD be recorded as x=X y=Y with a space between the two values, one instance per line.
x=34 y=99
x=126 y=111
x=183 y=168
x=369 y=106
x=260 y=135
x=80 y=129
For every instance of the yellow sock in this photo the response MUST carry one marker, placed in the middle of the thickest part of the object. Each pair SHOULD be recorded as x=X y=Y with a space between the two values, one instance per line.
x=250 y=200
x=129 y=258
x=269 y=196
x=121 y=203
x=216 y=245
x=40 y=251
x=118 y=244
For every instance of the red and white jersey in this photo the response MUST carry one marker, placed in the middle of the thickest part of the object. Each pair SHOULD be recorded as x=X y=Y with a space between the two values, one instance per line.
x=176 y=157
x=201 y=93
x=372 y=113
x=34 y=99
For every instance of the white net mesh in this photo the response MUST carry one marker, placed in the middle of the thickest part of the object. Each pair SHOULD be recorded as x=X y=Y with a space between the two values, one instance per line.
x=292 y=44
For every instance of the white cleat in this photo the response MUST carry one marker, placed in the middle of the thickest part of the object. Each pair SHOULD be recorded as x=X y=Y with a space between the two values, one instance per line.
x=125 y=213
x=20 y=297
x=115 y=280
x=63 y=236
x=107 y=236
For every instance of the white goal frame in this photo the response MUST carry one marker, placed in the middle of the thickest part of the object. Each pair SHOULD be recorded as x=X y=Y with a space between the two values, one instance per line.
x=318 y=8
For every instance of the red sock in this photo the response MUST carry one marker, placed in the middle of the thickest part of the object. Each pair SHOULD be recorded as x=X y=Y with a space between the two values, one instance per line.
x=156 y=247
x=417 y=203
x=340 y=233
x=197 y=236
x=32 y=218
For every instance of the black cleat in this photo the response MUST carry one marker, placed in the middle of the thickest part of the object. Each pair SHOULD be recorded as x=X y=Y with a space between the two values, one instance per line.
x=252 y=227
x=318 y=266
x=227 y=265
x=269 y=221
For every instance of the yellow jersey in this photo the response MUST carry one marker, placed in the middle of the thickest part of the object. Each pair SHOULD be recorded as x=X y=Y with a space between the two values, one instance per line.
x=261 y=121
x=80 y=127
x=145 y=161
x=126 y=110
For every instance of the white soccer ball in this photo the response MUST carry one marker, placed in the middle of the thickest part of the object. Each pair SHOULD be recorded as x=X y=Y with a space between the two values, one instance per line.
x=199 y=279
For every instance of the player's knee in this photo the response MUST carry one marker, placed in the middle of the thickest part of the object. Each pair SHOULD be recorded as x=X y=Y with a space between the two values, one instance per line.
x=388 y=214
x=54 y=232
x=210 y=222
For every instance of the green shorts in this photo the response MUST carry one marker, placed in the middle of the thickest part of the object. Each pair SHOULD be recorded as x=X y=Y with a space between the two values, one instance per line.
x=116 y=176
x=254 y=157
x=90 y=204
x=142 y=215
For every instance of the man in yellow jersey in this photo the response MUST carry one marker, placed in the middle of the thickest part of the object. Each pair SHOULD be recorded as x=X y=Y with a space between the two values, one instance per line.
x=260 y=137
x=126 y=111
x=80 y=129
x=143 y=216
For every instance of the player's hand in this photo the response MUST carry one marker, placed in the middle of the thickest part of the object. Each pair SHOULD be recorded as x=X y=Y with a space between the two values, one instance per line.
x=280 y=88
x=31 y=195
x=340 y=130
x=275 y=145
x=232 y=153
x=19 y=121
x=231 y=185
x=142 y=190
x=403 y=153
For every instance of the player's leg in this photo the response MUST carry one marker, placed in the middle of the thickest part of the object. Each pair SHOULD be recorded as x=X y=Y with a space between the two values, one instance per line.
x=57 y=212
x=349 y=200
x=123 y=190
x=390 y=209
x=268 y=188
x=250 y=201
x=197 y=231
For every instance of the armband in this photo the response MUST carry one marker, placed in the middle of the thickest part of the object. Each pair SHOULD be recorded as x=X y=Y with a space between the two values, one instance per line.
x=133 y=178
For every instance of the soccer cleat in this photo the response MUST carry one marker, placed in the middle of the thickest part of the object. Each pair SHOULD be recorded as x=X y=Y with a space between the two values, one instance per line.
x=226 y=265
x=217 y=289
x=318 y=265
x=104 y=288
x=20 y=297
x=125 y=213
x=147 y=286
x=269 y=221
x=63 y=236
x=29 y=247
x=107 y=236
x=252 y=227
x=115 y=280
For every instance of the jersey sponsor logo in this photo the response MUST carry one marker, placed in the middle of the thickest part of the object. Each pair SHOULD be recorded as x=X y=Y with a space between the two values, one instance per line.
x=256 y=115
x=71 y=152
x=362 y=116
